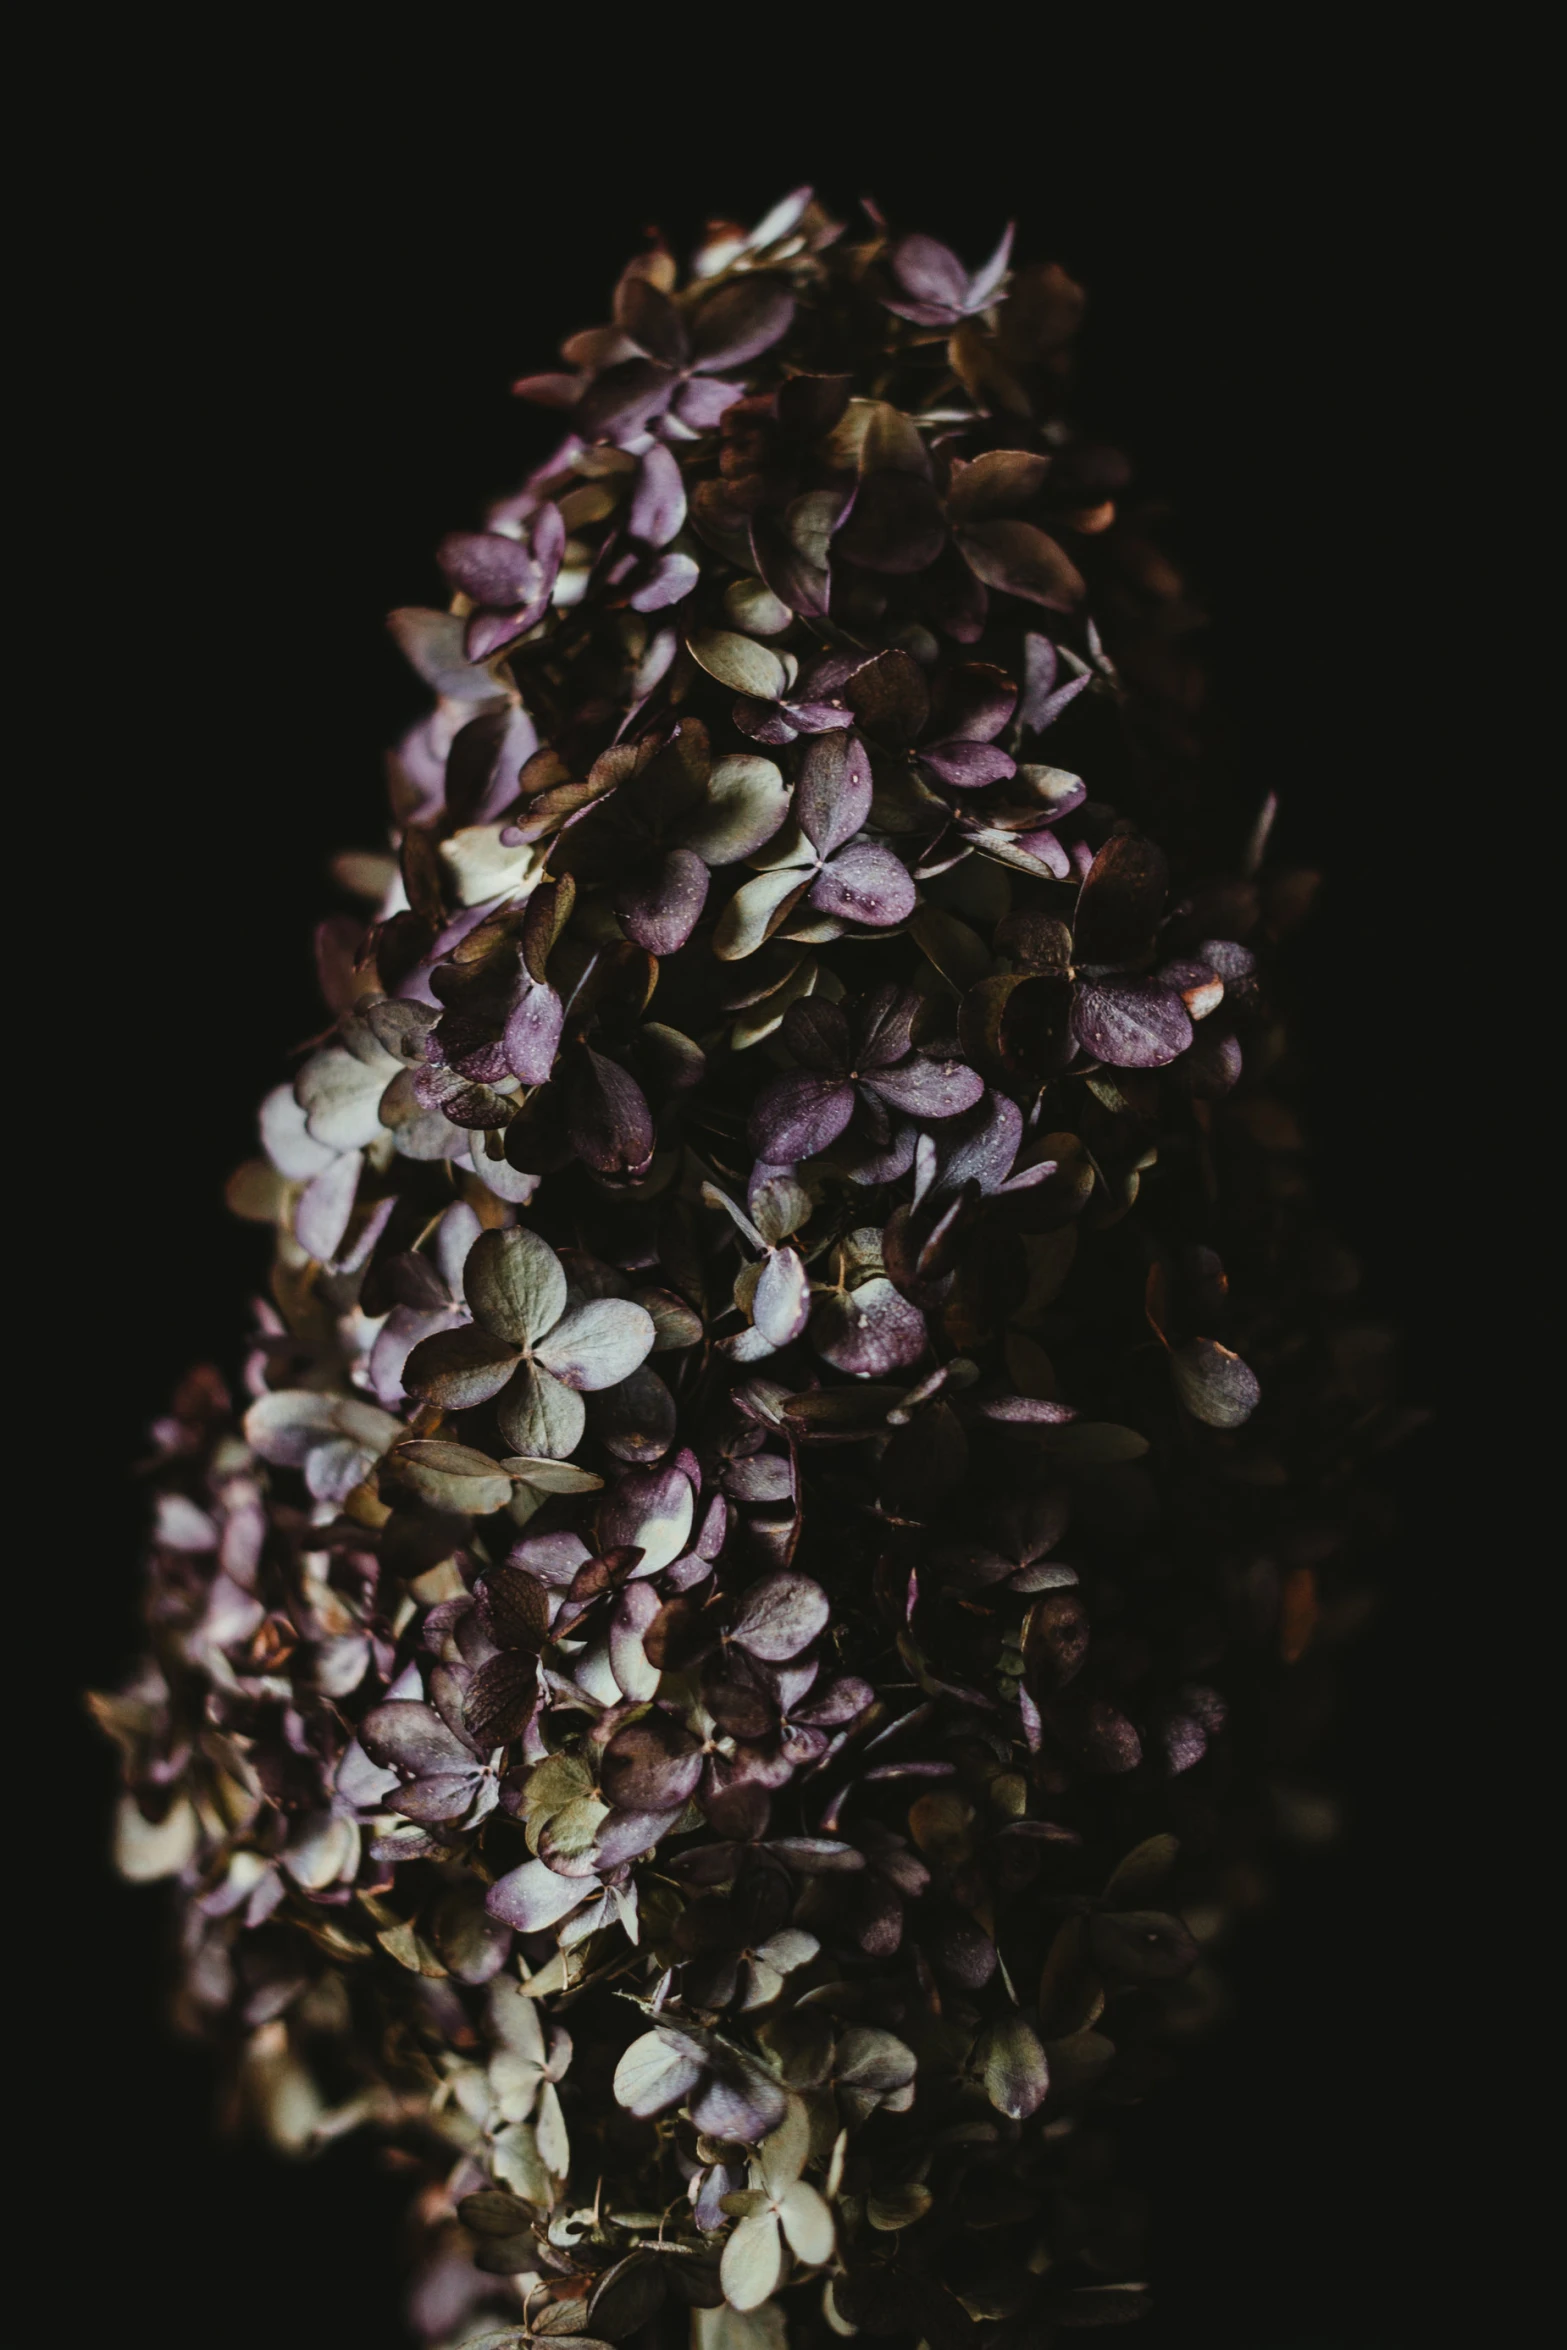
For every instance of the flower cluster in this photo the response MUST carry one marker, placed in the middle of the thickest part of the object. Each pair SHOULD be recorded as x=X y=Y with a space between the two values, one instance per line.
x=694 y=1691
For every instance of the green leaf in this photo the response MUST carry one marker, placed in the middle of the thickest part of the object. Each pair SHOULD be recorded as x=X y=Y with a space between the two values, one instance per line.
x=450 y=1477
x=432 y=643
x=958 y=952
x=514 y=1282
x=547 y=1476
x=518 y=2164
x=627 y=2295
x=1092 y=1444
x=753 y=607
x=783 y=2154
x=733 y=2329
x=898 y=2207
x=807 y=2223
x=1015 y=2071
x=657 y=2071
x=747 y=801
x=739 y=662
x=144 y=1851
x=753 y=2261
x=1135 y=1880
x=755 y=911
x=481 y=866
x=540 y=1416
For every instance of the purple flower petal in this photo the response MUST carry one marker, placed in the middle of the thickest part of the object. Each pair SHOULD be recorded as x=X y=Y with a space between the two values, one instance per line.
x=597 y=1344
x=487 y=632
x=884 y=1027
x=1130 y=1023
x=459 y=1368
x=838 y=1701
x=1027 y=1411
x=889 y=697
x=868 y=1331
x=554 y=390
x=607 y=1114
x=533 y=1897
x=668 y=581
x=444 y=1796
x=1120 y=902
x=532 y=1034
x=650 y=1510
x=896 y=525
x=803 y=584
x=645 y=313
x=630 y=1835
x=761 y=1476
x=660 y=905
x=624 y=399
x=930 y=272
x=981 y=1150
x=816 y=1856
x=553 y=1558
x=740 y=321
x=635 y=1419
x=501 y=1698
x=403 y=1735
x=1214 y=1384
x=490 y=568
x=1024 y=561
x=780 y=1616
x=873 y=2060
x=514 y=1607
x=967 y=766
x=657 y=505
x=799 y=1115
x=652 y=1764
x=781 y=1306
x=973 y=702
x=634 y=1672
x=742 y=2107
x=764 y=722
x=537 y=1140
x=700 y=402
x=817 y=1034
x=857 y=1160
x=833 y=794
x=1044 y=698
x=954 y=601
x=864 y=883
x=989 y=275
x=326 y=1204
x=928 y=1089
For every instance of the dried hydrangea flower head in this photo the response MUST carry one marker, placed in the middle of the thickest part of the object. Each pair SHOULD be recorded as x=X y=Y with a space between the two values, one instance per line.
x=800 y=1389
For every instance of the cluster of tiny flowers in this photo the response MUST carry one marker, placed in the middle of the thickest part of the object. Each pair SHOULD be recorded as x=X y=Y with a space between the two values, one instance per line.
x=728 y=1671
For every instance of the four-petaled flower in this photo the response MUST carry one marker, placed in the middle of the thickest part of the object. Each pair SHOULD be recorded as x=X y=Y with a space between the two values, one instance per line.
x=508 y=577
x=863 y=1064
x=656 y=837
x=823 y=858
x=529 y=1346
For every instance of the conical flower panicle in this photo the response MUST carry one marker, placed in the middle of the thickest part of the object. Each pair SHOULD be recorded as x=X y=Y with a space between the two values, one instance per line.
x=796 y=1400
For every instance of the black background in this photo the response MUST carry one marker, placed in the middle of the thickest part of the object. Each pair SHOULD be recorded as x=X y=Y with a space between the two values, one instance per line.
x=283 y=335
